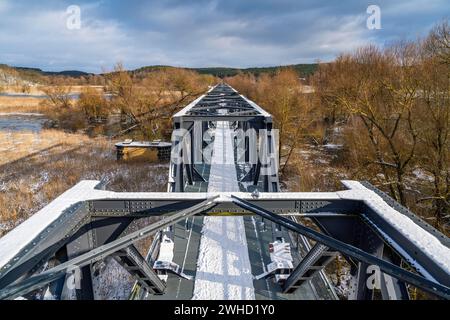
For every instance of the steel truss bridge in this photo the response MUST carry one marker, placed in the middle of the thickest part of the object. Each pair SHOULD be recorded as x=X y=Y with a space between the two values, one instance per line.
x=86 y=224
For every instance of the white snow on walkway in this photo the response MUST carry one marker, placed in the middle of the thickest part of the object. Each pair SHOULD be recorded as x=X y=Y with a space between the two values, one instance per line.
x=223 y=176
x=223 y=265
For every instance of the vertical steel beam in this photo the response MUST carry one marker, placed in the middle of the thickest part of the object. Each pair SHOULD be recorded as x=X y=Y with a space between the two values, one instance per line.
x=82 y=278
x=365 y=279
x=94 y=234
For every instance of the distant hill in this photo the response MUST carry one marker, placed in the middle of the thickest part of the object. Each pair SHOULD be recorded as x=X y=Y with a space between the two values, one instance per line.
x=148 y=69
x=303 y=70
x=36 y=74
x=68 y=73
x=11 y=77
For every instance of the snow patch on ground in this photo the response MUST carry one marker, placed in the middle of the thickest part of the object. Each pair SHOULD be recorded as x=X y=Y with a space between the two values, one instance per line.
x=422 y=175
x=44 y=178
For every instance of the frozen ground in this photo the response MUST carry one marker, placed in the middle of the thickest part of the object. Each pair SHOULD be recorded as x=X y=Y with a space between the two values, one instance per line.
x=223 y=266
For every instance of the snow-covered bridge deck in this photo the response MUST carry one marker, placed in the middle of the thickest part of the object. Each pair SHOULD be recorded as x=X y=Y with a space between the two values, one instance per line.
x=223 y=266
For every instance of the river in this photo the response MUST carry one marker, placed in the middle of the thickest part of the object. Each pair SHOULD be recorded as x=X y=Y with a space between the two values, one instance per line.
x=22 y=122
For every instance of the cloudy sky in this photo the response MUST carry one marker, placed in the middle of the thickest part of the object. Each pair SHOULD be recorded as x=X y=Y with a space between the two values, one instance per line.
x=235 y=33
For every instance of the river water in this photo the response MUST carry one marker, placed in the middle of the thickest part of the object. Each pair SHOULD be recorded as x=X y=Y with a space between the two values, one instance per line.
x=17 y=122
x=33 y=122
x=35 y=96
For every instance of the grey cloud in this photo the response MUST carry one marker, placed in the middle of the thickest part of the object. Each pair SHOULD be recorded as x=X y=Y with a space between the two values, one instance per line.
x=238 y=33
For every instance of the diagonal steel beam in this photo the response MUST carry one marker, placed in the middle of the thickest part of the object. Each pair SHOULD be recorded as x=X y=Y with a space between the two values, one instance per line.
x=131 y=259
x=36 y=282
x=317 y=258
x=387 y=267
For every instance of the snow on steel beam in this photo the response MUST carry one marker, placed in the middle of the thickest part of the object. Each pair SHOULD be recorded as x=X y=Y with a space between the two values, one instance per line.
x=215 y=97
x=427 y=252
x=183 y=111
x=13 y=242
x=426 y=243
x=32 y=229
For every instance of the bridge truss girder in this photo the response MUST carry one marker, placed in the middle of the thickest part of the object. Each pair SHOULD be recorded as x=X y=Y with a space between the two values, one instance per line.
x=201 y=115
x=343 y=223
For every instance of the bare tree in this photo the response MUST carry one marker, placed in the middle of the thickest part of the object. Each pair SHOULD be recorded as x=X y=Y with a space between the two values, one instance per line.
x=438 y=42
x=148 y=102
x=58 y=96
x=435 y=103
x=380 y=87
x=282 y=95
